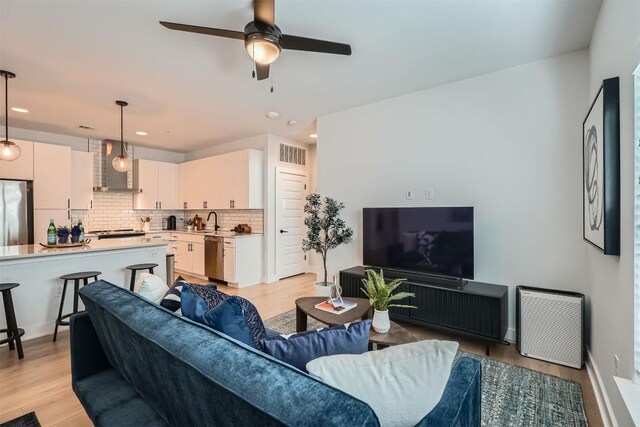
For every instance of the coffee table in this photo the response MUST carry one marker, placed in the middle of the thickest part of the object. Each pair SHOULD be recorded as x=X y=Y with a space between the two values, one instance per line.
x=395 y=336
x=306 y=307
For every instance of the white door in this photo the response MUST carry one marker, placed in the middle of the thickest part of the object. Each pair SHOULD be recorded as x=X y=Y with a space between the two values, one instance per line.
x=168 y=186
x=290 y=230
x=51 y=176
x=81 y=180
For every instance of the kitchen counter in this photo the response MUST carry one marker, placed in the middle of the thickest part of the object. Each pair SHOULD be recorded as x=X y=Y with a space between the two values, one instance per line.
x=25 y=251
x=219 y=233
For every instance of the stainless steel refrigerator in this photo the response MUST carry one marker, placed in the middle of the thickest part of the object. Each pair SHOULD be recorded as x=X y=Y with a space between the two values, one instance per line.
x=16 y=212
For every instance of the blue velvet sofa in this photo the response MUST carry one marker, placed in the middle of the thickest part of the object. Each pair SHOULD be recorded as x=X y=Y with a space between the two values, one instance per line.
x=133 y=363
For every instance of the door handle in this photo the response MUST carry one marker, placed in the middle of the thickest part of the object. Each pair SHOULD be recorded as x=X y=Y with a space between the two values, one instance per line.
x=283 y=231
x=160 y=205
x=91 y=205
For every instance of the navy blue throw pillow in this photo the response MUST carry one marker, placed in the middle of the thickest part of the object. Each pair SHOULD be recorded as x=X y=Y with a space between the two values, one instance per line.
x=226 y=317
x=171 y=300
x=301 y=348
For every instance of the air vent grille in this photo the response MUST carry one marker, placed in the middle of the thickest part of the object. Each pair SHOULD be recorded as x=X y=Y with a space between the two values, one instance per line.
x=293 y=155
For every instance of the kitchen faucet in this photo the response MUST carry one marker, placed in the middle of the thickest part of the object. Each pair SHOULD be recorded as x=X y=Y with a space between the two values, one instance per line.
x=216 y=227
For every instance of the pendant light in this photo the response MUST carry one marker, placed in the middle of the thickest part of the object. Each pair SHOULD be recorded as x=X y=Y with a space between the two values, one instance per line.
x=8 y=150
x=121 y=162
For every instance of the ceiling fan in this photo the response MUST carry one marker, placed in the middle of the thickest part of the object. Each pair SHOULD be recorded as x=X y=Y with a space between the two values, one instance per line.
x=263 y=39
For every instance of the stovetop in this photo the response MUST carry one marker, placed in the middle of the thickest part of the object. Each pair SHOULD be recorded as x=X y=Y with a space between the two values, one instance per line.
x=121 y=232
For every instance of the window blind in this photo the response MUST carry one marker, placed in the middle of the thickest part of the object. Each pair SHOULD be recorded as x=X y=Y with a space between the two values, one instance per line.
x=636 y=226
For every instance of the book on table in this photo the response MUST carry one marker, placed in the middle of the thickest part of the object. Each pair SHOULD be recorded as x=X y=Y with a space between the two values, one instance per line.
x=336 y=309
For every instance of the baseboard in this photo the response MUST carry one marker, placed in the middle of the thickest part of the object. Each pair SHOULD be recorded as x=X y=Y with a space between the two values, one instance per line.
x=604 y=404
x=511 y=335
x=38 y=330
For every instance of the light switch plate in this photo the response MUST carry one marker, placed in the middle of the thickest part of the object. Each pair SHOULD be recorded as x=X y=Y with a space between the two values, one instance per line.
x=409 y=194
x=428 y=194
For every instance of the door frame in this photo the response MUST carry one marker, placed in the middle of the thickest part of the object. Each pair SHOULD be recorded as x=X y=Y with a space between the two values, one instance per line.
x=278 y=214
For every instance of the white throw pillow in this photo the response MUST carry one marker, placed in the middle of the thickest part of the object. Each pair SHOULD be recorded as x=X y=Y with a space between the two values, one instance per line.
x=402 y=384
x=150 y=287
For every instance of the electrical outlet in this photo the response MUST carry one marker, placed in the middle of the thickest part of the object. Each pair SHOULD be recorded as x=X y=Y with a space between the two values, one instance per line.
x=428 y=193
x=409 y=194
x=58 y=291
x=616 y=363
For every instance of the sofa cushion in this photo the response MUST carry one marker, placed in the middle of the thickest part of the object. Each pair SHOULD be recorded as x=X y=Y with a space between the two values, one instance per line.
x=226 y=317
x=226 y=382
x=401 y=383
x=299 y=349
x=171 y=300
x=151 y=287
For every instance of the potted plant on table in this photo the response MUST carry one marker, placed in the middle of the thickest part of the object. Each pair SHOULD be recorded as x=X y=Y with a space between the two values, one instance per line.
x=75 y=234
x=325 y=231
x=188 y=222
x=381 y=297
x=63 y=234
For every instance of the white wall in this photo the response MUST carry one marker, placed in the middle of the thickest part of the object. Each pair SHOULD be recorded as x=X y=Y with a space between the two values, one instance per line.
x=507 y=143
x=615 y=51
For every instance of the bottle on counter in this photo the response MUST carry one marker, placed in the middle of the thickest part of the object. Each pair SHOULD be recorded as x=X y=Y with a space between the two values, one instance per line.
x=81 y=227
x=52 y=236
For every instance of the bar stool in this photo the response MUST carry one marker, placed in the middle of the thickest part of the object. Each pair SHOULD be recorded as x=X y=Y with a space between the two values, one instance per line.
x=138 y=267
x=13 y=332
x=76 y=277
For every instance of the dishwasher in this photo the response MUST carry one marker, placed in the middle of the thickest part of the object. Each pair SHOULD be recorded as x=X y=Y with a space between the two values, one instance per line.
x=214 y=257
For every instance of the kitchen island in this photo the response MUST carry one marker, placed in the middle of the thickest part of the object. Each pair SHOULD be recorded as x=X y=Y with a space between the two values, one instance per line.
x=38 y=269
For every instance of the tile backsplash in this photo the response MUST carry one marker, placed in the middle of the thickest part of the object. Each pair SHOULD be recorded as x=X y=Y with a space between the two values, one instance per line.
x=115 y=210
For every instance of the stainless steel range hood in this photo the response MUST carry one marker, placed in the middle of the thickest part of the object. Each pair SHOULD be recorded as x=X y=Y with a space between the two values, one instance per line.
x=113 y=180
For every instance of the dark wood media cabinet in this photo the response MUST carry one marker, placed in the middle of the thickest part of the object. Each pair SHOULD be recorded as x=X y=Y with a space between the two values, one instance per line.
x=473 y=309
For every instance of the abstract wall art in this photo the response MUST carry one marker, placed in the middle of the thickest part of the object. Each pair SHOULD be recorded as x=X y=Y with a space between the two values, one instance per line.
x=601 y=169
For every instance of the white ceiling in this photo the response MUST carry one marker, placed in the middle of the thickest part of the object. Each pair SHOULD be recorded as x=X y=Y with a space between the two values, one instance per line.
x=73 y=59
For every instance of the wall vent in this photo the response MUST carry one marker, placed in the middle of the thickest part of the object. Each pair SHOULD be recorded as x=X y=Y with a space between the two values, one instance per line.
x=293 y=155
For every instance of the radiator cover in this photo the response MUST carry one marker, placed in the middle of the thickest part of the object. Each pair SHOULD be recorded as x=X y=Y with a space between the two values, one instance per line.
x=550 y=325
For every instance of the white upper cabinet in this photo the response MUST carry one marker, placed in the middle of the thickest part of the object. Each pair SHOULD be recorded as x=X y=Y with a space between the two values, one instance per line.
x=186 y=182
x=159 y=184
x=51 y=176
x=81 y=180
x=22 y=167
x=168 y=186
x=248 y=180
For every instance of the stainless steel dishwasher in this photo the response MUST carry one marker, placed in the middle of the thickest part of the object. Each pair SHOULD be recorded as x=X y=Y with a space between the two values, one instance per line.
x=214 y=257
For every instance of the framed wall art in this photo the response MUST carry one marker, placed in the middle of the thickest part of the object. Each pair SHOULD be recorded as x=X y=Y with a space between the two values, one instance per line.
x=601 y=169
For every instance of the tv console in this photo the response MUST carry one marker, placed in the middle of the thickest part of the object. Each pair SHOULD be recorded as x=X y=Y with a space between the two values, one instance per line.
x=473 y=309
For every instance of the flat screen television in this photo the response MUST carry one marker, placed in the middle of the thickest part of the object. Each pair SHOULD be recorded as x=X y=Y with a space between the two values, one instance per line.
x=436 y=241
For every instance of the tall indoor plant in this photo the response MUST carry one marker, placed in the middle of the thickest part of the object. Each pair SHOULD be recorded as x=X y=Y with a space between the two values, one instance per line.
x=325 y=230
x=381 y=297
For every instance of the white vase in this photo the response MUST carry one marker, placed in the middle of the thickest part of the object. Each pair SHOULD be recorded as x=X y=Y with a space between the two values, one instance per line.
x=380 y=321
x=322 y=289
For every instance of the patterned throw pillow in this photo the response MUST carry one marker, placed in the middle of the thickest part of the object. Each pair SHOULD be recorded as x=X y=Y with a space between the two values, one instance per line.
x=213 y=297
x=171 y=300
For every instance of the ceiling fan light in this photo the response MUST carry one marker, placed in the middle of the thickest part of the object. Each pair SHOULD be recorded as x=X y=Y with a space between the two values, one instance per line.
x=262 y=51
x=9 y=151
x=121 y=163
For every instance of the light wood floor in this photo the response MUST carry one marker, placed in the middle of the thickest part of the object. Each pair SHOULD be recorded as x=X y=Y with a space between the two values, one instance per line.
x=41 y=381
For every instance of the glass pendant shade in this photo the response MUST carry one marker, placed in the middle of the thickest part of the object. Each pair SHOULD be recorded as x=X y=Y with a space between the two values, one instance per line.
x=121 y=163
x=263 y=51
x=9 y=150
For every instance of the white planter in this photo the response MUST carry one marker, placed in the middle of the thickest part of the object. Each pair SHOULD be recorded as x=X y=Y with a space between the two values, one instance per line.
x=380 y=321
x=322 y=289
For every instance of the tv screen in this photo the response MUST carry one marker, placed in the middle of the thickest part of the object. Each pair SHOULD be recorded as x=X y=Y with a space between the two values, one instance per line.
x=435 y=241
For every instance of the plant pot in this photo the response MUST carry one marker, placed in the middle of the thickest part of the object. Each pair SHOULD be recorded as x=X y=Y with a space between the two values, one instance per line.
x=322 y=289
x=189 y=227
x=63 y=239
x=75 y=239
x=380 y=321
x=146 y=227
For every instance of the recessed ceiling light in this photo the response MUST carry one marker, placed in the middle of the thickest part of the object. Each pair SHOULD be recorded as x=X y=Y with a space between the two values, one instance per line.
x=292 y=122
x=313 y=135
x=141 y=133
x=273 y=115
x=19 y=110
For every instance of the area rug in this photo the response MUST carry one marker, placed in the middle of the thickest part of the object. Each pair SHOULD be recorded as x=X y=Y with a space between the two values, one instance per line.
x=511 y=395
x=27 y=420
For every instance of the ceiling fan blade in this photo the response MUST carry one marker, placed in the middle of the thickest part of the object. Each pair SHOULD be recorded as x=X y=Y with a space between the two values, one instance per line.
x=262 y=71
x=230 y=34
x=265 y=11
x=313 y=45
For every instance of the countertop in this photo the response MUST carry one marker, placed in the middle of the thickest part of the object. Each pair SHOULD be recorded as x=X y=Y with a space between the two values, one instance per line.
x=219 y=233
x=29 y=251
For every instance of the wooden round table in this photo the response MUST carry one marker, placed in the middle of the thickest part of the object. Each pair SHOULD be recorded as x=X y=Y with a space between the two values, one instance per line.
x=306 y=307
x=395 y=336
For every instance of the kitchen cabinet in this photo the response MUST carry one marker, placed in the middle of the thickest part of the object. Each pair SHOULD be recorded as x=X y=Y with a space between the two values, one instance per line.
x=188 y=251
x=22 y=167
x=41 y=218
x=228 y=181
x=243 y=260
x=159 y=184
x=81 y=180
x=229 y=260
x=51 y=176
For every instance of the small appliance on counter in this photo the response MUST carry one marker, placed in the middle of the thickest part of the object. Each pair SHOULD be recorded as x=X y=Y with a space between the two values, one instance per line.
x=197 y=222
x=171 y=222
x=242 y=228
x=117 y=234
